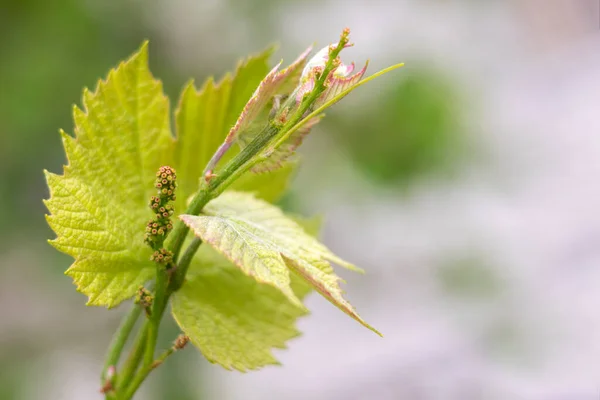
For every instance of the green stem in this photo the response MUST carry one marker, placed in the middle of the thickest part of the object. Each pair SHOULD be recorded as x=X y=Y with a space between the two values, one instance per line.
x=243 y=161
x=158 y=306
x=218 y=183
x=238 y=165
x=183 y=266
x=120 y=338
x=202 y=197
x=180 y=230
x=145 y=344
x=143 y=373
x=209 y=190
x=135 y=356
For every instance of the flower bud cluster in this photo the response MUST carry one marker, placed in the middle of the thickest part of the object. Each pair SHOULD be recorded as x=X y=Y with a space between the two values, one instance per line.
x=181 y=341
x=144 y=298
x=159 y=227
x=162 y=256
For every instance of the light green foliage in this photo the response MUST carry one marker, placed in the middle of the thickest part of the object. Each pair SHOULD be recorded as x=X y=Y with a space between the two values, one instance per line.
x=254 y=114
x=266 y=245
x=234 y=320
x=204 y=118
x=236 y=303
x=98 y=207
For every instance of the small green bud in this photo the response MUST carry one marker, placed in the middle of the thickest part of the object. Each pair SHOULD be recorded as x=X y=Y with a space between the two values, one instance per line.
x=162 y=256
x=144 y=298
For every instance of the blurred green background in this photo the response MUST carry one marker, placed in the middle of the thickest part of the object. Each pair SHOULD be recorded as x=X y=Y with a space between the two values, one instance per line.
x=393 y=158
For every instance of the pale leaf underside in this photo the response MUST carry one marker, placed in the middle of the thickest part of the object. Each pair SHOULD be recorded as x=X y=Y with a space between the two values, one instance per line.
x=266 y=245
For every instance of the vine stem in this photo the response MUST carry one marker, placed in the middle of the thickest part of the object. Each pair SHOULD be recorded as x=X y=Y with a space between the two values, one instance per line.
x=119 y=340
x=143 y=373
x=184 y=263
x=218 y=183
x=206 y=193
x=250 y=155
x=209 y=190
x=158 y=306
x=133 y=361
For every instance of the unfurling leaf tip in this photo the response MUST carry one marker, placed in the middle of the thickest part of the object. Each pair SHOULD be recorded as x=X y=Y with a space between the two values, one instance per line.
x=354 y=268
x=142 y=53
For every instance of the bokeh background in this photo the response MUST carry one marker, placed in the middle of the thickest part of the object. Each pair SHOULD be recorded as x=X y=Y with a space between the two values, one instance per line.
x=466 y=183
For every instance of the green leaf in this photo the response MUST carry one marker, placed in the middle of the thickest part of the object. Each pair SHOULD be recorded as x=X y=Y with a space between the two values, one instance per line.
x=283 y=83
x=275 y=82
x=311 y=226
x=212 y=111
x=231 y=318
x=266 y=245
x=278 y=157
x=99 y=205
x=220 y=308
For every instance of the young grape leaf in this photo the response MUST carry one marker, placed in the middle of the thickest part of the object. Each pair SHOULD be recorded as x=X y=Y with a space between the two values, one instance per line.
x=275 y=82
x=311 y=226
x=213 y=110
x=231 y=318
x=265 y=244
x=99 y=205
x=279 y=158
